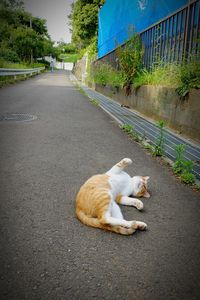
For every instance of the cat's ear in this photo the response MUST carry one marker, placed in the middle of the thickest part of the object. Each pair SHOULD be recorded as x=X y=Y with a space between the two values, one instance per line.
x=146 y=178
x=146 y=194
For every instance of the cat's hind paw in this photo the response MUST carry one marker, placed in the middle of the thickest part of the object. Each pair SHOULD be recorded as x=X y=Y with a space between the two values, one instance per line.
x=141 y=225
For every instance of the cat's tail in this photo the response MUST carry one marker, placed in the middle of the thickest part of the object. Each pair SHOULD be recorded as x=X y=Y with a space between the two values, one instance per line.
x=94 y=222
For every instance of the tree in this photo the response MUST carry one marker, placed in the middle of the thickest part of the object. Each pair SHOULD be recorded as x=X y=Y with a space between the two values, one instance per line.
x=22 y=36
x=84 y=21
x=12 y=4
x=24 y=42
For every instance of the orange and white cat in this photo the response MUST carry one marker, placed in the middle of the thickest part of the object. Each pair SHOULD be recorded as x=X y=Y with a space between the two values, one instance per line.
x=96 y=201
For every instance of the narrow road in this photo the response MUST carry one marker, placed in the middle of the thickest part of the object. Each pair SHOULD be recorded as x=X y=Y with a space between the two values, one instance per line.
x=46 y=253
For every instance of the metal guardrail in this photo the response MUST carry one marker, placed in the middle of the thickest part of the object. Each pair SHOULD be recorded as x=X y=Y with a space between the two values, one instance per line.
x=16 y=72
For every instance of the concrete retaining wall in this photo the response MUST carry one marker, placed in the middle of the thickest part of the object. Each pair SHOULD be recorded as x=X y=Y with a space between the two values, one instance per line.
x=156 y=102
x=159 y=102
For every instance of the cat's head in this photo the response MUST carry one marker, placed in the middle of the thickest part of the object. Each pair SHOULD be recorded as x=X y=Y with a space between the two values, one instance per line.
x=140 y=186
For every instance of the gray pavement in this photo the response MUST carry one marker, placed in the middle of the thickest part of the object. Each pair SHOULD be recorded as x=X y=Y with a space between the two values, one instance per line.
x=46 y=253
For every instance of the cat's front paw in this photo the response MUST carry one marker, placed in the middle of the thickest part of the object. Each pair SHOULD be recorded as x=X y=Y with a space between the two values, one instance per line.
x=138 y=204
x=127 y=161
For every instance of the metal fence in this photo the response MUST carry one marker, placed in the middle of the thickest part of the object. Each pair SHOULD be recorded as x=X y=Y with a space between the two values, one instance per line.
x=17 y=72
x=172 y=39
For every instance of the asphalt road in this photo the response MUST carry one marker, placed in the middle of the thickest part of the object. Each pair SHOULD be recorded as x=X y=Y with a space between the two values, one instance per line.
x=46 y=253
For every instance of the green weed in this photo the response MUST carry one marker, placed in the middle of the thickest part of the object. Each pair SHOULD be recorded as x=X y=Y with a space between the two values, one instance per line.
x=104 y=74
x=81 y=90
x=130 y=60
x=128 y=128
x=168 y=75
x=183 y=167
x=188 y=178
x=94 y=102
x=189 y=77
x=159 y=147
x=148 y=147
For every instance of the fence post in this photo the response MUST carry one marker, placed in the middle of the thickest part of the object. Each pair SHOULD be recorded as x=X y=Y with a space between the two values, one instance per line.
x=187 y=31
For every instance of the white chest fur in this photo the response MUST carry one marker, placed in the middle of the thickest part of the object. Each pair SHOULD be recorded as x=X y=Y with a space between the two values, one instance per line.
x=120 y=184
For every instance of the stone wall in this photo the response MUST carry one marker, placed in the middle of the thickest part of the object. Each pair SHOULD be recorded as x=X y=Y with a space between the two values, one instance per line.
x=80 y=69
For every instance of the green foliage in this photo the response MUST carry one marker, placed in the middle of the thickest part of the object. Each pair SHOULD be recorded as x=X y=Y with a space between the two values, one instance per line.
x=94 y=102
x=168 y=75
x=178 y=165
x=9 y=55
x=10 y=65
x=183 y=167
x=182 y=77
x=189 y=76
x=149 y=147
x=12 y=4
x=70 y=48
x=22 y=36
x=81 y=53
x=105 y=74
x=159 y=147
x=188 y=178
x=66 y=51
x=84 y=21
x=130 y=60
x=92 y=50
x=128 y=128
x=69 y=57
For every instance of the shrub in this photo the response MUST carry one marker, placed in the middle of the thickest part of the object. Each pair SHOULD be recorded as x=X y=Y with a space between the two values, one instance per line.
x=130 y=60
x=9 y=55
x=188 y=178
x=189 y=76
x=105 y=74
x=183 y=167
x=168 y=75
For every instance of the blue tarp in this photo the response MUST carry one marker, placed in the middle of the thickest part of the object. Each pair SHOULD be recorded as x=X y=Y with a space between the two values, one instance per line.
x=118 y=18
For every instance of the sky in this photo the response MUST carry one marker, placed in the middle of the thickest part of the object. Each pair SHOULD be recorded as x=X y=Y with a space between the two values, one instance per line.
x=55 y=12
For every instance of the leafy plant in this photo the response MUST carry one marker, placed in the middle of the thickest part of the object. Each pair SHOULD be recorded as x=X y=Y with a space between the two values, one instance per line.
x=168 y=75
x=130 y=60
x=127 y=128
x=159 y=147
x=183 y=167
x=188 y=178
x=9 y=55
x=190 y=76
x=22 y=36
x=69 y=57
x=147 y=146
x=94 y=102
x=131 y=131
x=84 y=21
x=178 y=165
x=104 y=74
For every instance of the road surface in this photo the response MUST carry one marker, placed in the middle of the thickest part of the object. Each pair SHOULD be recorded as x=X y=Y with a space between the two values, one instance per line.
x=46 y=253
